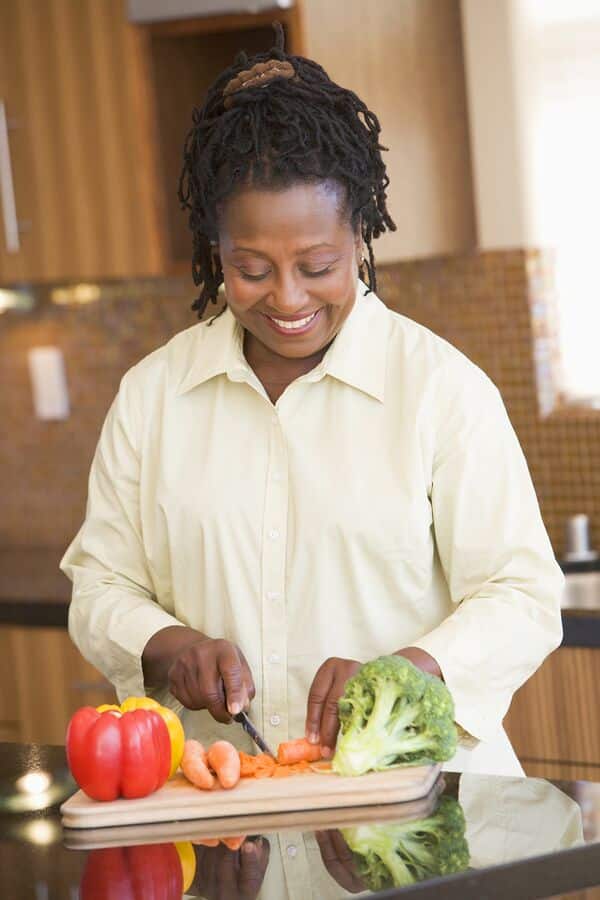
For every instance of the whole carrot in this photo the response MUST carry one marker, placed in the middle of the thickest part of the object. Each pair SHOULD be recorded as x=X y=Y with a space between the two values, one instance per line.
x=224 y=760
x=194 y=766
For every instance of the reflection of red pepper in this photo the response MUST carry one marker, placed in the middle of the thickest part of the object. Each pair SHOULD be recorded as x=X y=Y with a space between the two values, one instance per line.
x=133 y=873
x=112 y=755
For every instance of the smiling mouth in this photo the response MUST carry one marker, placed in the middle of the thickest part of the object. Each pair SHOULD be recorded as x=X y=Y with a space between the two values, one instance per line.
x=295 y=325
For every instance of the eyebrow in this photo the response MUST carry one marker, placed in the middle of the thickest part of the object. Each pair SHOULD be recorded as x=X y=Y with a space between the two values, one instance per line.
x=300 y=252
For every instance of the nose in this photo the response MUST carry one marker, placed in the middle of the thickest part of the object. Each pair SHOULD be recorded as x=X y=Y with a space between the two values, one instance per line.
x=289 y=297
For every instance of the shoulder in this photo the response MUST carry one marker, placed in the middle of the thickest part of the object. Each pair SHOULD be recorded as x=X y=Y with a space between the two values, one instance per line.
x=157 y=375
x=427 y=361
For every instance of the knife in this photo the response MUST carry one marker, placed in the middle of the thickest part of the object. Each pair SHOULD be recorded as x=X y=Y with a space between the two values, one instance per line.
x=249 y=728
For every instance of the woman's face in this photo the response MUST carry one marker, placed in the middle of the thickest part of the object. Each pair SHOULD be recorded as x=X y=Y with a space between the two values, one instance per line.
x=290 y=264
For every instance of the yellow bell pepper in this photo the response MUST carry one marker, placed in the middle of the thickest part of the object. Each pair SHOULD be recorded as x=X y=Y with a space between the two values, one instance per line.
x=187 y=858
x=171 y=719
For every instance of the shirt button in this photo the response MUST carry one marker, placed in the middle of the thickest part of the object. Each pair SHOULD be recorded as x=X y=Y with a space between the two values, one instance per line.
x=275 y=420
x=273 y=534
x=276 y=476
x=291 y=850
x=275 y=720
x=274 y=658
x=273 y=595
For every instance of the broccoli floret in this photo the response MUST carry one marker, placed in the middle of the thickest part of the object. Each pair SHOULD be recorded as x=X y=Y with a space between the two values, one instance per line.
x=396 y=855
x=392 y=713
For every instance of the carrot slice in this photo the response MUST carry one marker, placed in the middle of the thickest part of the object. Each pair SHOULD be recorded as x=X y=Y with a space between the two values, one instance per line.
x=322 y=767
x=224 y=760
x=299 y=750
x=259 y=766
x=234 y=843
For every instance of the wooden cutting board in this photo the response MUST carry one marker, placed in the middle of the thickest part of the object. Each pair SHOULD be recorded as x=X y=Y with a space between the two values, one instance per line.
x=179 y=800
x=306 y=820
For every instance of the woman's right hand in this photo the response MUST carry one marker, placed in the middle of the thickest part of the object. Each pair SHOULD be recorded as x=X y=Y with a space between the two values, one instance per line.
x=212 y=674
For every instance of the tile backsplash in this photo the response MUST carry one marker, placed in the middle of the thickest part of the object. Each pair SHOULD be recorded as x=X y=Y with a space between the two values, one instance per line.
x=495 y=307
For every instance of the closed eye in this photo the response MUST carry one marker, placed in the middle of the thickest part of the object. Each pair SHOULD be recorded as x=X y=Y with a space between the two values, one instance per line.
x=250 y=277
x=325 y=271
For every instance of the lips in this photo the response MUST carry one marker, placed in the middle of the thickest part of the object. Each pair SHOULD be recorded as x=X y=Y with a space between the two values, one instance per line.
x=293 y=326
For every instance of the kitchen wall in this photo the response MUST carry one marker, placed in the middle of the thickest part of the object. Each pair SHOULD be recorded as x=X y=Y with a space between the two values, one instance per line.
x=495 y=306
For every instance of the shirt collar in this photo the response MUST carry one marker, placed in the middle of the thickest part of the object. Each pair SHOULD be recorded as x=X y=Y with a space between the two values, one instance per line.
x=357 y=355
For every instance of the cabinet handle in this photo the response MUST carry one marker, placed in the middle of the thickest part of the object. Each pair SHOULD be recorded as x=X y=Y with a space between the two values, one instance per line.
x=7 y=191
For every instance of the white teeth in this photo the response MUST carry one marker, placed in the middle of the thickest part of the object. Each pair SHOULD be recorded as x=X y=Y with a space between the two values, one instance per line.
x=299 y=323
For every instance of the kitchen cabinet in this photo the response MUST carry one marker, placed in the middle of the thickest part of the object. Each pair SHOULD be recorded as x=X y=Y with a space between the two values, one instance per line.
x=403 y=59
x=554 y=719
x=71 y=81
x=44 y=680
x=98 y=109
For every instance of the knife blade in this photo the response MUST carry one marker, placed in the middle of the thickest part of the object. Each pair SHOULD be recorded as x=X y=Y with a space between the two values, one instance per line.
x=249 y=728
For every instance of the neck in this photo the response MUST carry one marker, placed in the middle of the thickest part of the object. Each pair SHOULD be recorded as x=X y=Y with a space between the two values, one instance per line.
x=277 y=369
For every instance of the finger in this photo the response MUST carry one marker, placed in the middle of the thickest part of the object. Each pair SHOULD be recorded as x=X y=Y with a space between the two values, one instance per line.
x=178 y=687
x=247 y=676
x=230 y=668
x=214 y=697
x=319 y=690
x=338 y=868
x=226 y=874
x=254 y=859
x=330 y=722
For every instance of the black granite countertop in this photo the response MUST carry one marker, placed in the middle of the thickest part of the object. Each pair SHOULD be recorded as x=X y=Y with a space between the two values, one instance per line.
x=34 y=592
x=521 y=838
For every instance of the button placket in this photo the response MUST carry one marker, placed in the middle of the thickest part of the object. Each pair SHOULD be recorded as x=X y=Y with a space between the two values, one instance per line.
x=274 y=631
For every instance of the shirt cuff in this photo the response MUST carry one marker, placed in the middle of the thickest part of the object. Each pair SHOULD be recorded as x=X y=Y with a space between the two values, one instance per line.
x=120 y=651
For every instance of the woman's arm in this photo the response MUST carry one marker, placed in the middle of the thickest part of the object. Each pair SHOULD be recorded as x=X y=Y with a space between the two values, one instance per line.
x=504 y=582
x=114 y=611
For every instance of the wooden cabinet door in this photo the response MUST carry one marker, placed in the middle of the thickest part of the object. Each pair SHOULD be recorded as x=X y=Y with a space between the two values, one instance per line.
x=555 y=716
x=53 y=680
x=72 y=82
x=10 y=724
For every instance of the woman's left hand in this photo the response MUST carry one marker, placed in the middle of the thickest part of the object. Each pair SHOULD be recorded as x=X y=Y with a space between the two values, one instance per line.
x=322 y=723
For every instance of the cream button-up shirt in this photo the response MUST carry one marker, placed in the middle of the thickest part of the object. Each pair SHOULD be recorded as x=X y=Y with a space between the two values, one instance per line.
x=383 y=501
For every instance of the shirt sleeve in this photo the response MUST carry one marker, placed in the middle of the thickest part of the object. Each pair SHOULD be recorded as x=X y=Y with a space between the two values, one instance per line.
x=114 y=611
x=503 y=579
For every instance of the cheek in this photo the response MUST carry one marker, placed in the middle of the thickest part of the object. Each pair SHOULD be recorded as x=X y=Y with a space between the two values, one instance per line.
x=241 y=295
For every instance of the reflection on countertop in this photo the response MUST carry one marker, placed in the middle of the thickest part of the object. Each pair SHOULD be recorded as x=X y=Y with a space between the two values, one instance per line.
x=501 y=837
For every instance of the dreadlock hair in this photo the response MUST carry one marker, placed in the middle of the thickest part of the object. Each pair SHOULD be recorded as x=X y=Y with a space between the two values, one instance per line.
x=295 y=129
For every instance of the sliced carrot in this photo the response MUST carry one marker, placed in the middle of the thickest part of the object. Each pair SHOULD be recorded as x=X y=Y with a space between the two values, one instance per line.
x=299 y=768
x=259 y=766
x=322 y=767
x=290 y=752
x=224 y=760
x=194 y=767
x=234 y=843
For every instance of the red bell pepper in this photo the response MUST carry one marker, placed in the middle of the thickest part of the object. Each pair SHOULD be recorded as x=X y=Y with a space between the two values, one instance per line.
x=133 y=873
x=118 y=755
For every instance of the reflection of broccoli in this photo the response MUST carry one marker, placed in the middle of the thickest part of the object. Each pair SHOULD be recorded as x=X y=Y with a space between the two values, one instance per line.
x=395 y=855
x=393 y=713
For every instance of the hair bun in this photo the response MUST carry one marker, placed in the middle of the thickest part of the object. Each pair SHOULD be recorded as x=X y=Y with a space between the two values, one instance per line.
x=260 y=75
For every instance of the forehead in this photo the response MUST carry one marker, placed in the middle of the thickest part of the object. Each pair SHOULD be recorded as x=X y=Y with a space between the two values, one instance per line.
x=313 y=210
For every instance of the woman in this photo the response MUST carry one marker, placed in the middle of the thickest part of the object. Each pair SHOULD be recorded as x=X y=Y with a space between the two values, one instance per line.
x=308 y=480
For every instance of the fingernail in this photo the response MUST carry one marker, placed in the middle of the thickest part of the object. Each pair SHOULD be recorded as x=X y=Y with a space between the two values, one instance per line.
x=312 y=737
x=248 y=847
x=235 y=708
x=326 y=751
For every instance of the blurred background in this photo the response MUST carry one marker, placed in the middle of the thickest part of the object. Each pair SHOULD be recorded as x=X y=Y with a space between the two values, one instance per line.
x=489 y=109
